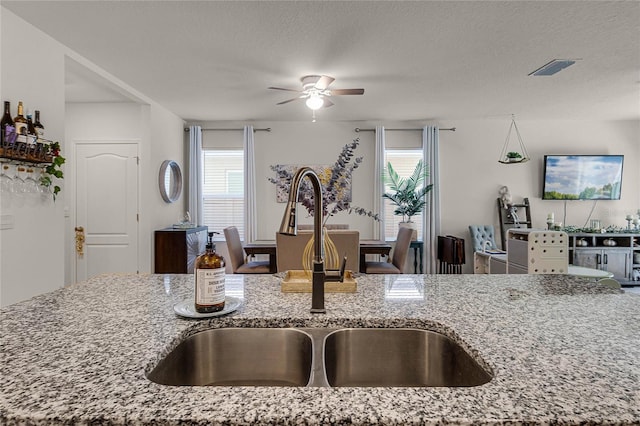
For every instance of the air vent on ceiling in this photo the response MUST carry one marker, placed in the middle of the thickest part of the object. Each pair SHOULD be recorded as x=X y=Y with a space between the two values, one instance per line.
x=553 y=67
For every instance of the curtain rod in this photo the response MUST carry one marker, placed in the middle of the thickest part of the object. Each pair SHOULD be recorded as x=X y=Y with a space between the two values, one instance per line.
x=357 y=129
x=267 y=129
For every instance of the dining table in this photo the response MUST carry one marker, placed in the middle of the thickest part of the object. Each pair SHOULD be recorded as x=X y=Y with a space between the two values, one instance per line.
x=367 y=246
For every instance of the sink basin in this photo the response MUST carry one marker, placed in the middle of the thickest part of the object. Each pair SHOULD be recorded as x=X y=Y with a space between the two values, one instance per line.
x=238 y=357
x=398 y=357
x=318 y=357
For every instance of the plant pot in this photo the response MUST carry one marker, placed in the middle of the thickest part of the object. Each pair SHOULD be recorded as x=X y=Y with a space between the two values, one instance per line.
x=411 y=225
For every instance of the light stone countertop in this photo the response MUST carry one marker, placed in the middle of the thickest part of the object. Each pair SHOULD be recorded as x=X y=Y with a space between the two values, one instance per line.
x=562 y=351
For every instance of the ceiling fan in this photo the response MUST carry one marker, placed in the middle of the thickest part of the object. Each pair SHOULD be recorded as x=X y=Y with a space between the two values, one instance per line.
x=315 y=89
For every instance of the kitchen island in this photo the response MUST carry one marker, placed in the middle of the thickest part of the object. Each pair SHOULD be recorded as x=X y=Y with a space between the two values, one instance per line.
x=561 y=350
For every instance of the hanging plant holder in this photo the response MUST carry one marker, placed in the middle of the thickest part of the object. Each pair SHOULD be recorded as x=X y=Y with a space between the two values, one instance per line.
x=512 y=154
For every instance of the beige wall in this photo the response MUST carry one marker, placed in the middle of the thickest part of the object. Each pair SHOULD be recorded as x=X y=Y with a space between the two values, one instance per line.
x=470 y=172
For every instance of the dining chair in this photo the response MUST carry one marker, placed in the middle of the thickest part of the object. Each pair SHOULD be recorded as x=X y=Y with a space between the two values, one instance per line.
x=289 y=248
x=398 y=256
x=237 y=256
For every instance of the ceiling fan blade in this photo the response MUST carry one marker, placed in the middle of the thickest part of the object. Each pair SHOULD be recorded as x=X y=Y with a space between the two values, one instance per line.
x=327 y=103
x=281 y=88
x=347 y=92
x=324 y=82
x=287 y=101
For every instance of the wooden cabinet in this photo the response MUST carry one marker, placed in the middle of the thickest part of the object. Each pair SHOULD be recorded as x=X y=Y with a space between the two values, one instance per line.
x=176 y=249
x=614 y=253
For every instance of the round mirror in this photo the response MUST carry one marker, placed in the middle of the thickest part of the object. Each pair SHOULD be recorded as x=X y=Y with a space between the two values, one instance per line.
x=170 y=181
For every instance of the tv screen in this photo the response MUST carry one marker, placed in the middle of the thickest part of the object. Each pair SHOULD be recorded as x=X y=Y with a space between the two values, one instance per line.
x=582 y=177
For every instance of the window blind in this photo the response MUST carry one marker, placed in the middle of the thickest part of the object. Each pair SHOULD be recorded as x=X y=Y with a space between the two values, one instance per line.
x=223 y=190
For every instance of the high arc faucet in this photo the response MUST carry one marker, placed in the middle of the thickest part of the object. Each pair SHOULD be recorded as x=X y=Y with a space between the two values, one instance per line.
x=289 y=226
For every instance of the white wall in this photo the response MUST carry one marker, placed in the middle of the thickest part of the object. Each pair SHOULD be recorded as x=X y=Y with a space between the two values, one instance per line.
x=43 y=229
x=31 y=251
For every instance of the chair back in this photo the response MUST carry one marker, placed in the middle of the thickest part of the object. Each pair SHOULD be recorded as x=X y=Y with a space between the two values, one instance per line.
x=401 y=249
x=329 y=226
x=234 y=245
x=480 y=234
x=289 y=248
x=347 y=243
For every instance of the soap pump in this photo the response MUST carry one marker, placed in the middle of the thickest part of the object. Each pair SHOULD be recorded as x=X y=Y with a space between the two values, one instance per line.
x=209 y=278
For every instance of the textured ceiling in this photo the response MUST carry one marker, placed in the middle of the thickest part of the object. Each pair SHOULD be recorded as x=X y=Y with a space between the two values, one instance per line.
x=416 y=60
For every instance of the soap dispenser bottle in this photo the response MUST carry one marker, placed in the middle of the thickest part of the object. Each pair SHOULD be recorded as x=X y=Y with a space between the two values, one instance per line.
x=209 y=280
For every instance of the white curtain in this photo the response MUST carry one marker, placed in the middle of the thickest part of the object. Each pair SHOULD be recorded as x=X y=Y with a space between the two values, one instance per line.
x=378 y=190
x=195 y=174
x=250 y=210
x=431 y=216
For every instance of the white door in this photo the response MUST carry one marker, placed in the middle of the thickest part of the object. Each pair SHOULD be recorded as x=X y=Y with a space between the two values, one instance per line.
x=106 y=208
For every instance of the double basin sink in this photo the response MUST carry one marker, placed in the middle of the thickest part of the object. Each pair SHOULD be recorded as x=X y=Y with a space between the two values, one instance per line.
x=368 y=357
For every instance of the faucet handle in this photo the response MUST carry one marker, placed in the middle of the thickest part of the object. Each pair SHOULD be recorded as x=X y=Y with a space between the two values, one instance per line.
x=336 y=274
x=343 y=266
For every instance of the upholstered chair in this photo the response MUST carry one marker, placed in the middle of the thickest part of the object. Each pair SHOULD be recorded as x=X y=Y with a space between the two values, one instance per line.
x=483 y=237
x=398 y=256
x=237 y=256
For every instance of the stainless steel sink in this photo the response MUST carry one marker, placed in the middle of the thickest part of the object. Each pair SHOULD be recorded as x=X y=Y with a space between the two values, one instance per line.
x=398 y=357
x=318 y=357
x=238 y=357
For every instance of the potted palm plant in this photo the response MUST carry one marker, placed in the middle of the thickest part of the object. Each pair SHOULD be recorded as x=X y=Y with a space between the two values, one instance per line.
x=407 y=194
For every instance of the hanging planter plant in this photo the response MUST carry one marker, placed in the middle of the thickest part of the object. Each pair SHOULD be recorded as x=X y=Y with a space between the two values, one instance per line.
x=509 y=154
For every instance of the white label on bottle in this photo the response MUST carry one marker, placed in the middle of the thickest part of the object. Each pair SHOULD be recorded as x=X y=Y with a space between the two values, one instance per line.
x=209 y=286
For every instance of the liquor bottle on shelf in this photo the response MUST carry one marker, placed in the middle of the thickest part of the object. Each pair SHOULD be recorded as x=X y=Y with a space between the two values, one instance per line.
x=31 y=130
x=209 y=280
x=20 y=121
x=38 y=126
x=6 y=121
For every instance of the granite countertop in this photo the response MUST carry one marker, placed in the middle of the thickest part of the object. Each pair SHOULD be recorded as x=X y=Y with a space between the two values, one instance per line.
x=561 y=349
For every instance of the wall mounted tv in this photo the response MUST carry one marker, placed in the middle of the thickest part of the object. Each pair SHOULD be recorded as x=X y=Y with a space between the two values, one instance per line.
x=582 y=177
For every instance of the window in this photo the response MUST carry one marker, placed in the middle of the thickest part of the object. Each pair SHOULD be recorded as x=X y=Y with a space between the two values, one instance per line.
x=404 y=163
x=223 y=190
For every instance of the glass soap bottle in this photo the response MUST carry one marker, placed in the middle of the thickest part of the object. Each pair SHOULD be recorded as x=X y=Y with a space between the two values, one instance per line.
x=209 y=280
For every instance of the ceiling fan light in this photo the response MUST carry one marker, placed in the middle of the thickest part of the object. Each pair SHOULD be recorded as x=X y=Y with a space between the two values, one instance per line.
x=315 y=102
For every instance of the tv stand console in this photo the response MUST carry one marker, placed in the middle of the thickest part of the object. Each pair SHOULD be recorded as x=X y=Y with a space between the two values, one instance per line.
x=617 y=253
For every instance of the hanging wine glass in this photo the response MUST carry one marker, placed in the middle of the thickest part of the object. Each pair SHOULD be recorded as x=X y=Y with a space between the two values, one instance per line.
x=6 y=182
x=6 y=186
x=31 y=187
x=30 y=184
x=18 y=181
